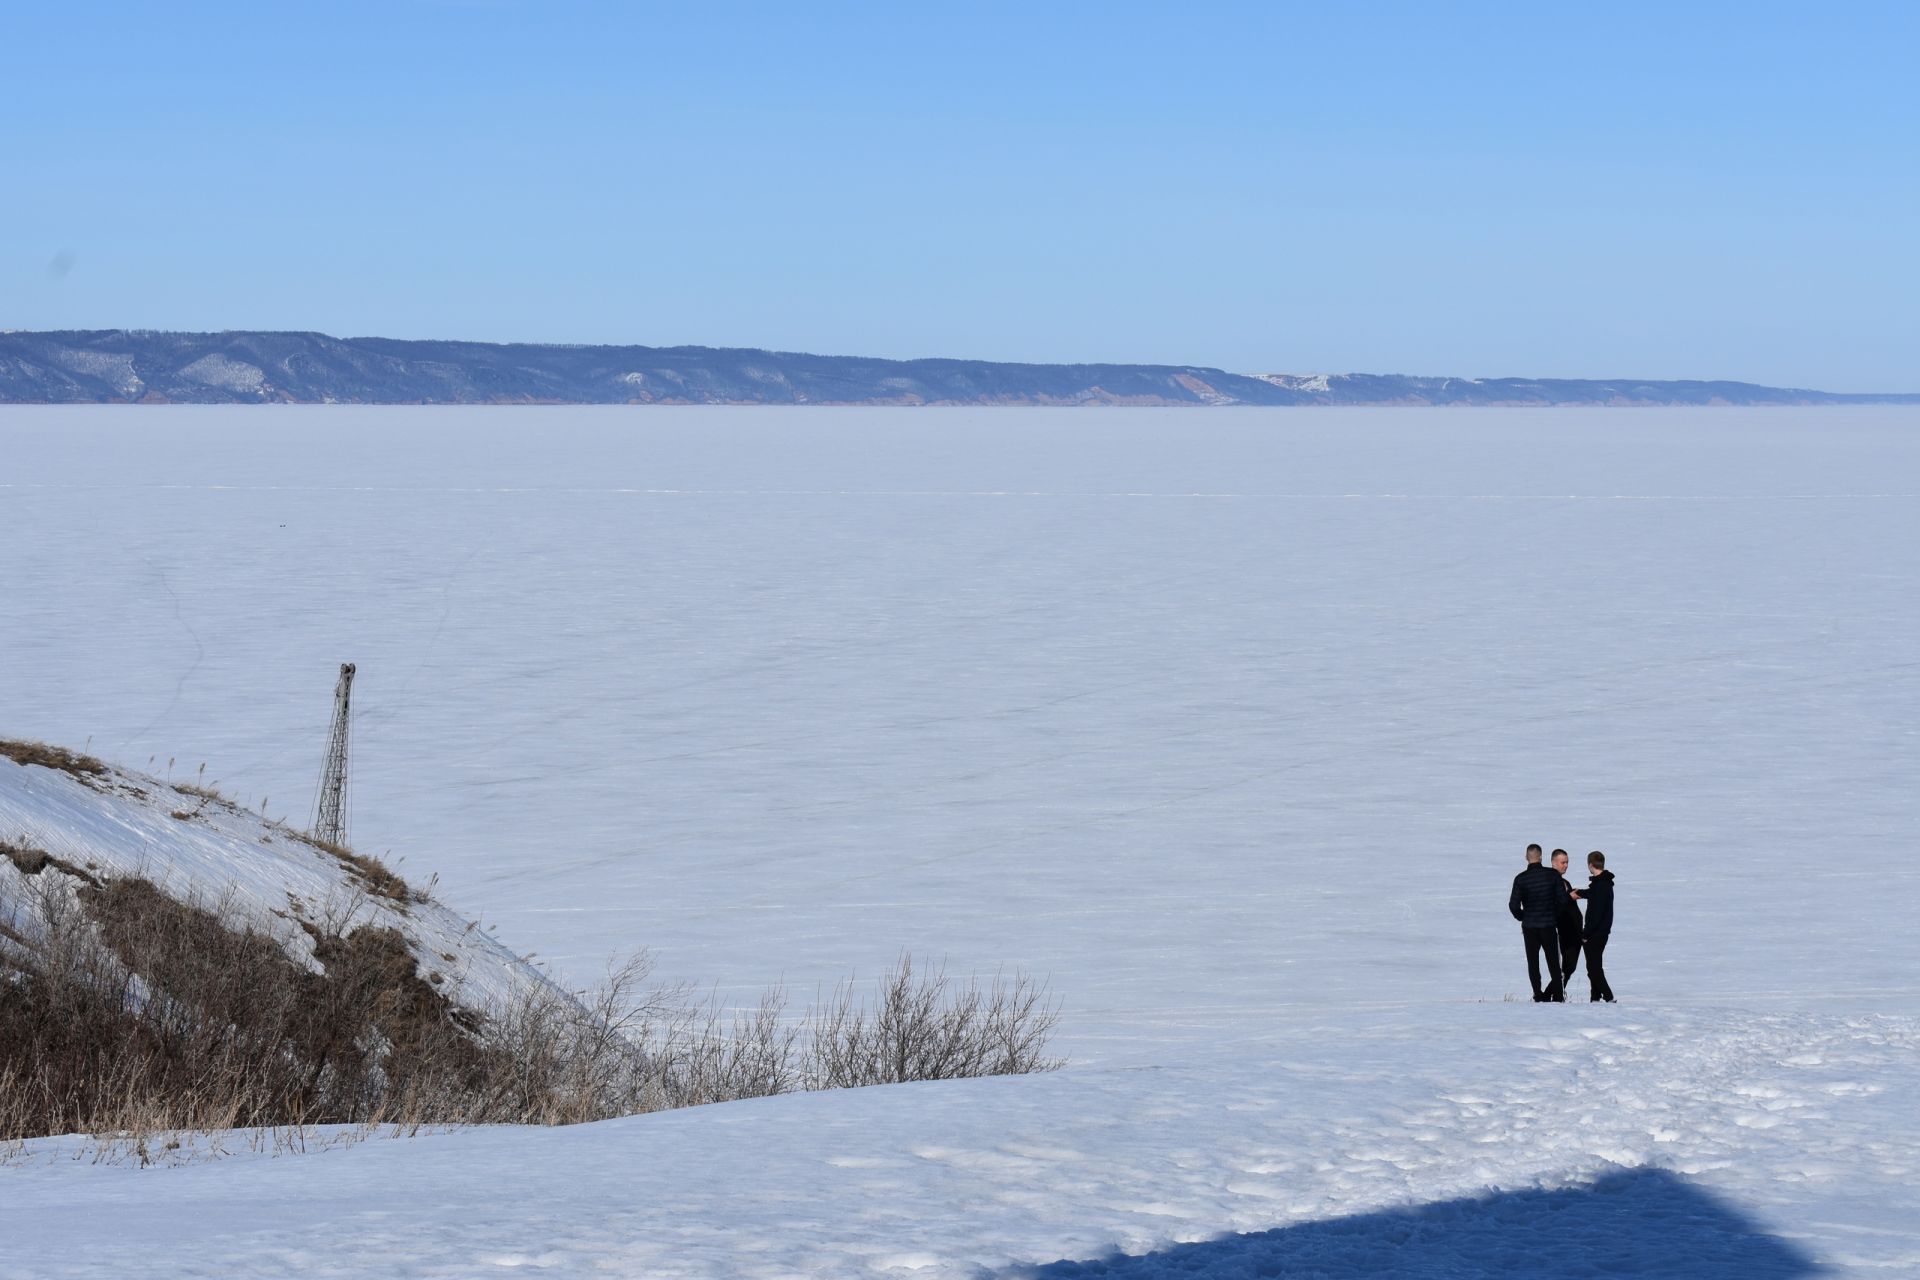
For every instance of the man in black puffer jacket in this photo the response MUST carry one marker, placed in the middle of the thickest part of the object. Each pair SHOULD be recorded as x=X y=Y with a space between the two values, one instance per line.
x=1599 y=898
x=1535 y=903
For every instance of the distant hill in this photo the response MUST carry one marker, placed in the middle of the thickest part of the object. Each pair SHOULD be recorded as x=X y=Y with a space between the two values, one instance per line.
x=102 y=366
x=1400 y=388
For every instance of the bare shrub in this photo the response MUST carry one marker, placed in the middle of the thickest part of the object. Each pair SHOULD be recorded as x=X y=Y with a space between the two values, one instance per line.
x=562 y=1058
x=755 y=1053
x=624 y=1047
x=921 y=1025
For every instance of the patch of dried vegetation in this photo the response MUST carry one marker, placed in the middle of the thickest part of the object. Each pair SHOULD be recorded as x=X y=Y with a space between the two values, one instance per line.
x=24 y=752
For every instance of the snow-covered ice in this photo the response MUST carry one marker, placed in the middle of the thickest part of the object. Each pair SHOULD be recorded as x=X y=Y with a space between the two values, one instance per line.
x=1233 y=723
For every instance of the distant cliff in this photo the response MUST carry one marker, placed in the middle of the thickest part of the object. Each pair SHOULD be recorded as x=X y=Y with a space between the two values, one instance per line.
x=240 y=367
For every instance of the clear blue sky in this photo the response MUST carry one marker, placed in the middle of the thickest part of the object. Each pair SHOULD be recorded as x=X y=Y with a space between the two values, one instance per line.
x=1718 y=190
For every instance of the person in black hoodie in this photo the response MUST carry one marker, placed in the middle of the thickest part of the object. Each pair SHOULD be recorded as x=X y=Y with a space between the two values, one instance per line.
x=1567 y=921
x=1535 y=903
x=1599 y=898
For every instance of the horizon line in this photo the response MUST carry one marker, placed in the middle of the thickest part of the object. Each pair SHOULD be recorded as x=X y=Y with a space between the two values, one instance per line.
x=1267 y=375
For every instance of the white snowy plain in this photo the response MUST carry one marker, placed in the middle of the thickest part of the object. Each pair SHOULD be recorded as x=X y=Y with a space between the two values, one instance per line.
x=1232 y=723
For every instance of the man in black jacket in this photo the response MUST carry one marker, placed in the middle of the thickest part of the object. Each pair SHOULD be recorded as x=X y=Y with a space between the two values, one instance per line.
x=1535 y=903
x=1567 y=921
x=1599 y=898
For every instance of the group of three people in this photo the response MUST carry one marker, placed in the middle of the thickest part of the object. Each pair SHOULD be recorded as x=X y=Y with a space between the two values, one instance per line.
x=1548 y=909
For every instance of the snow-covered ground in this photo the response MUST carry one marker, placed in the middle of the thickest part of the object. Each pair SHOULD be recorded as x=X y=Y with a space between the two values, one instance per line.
x=1234 y=723
x=1711 y=1144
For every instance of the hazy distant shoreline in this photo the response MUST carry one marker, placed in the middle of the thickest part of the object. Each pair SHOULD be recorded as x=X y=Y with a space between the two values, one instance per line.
x=108 y=366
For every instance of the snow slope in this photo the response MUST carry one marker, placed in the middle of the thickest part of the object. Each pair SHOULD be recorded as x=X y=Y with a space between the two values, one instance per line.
x=202 y=849
x=1233 y=727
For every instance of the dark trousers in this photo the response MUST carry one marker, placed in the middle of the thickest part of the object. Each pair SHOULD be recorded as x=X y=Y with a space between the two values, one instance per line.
x=1597 y=976
x=1569 y=953
x=1547 y=940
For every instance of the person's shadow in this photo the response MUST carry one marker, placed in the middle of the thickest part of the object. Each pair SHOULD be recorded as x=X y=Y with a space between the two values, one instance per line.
x=1640 y=1222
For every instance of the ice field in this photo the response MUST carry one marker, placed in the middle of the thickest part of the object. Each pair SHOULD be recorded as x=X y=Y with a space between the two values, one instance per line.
x=1232 y=723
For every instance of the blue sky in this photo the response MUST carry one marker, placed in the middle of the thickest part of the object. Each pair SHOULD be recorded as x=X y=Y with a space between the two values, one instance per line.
x=1549 y=189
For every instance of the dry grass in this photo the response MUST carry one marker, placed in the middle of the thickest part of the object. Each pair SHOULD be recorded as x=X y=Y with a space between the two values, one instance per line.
x=24 y=752
x=373 y=875
x=33 y=861
x=129 y=1013
x=624 y=1047
x=132 y=1010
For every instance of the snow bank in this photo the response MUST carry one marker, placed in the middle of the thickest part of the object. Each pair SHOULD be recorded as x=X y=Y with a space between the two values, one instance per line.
x=1709 y=1143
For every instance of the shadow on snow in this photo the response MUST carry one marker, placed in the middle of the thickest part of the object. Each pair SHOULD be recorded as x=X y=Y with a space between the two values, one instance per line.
x=1641 y=1222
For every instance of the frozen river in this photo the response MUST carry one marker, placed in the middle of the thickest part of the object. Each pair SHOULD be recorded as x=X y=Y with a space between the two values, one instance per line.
x=1219 y=718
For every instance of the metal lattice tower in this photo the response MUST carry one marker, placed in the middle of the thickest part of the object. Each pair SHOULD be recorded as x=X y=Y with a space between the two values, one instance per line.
x=330 y=807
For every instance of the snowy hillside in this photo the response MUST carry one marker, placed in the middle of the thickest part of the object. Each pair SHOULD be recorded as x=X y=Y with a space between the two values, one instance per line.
x=89 y=821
